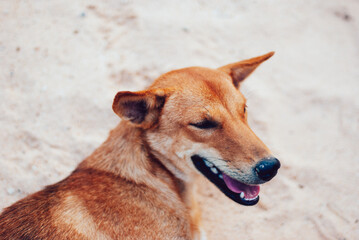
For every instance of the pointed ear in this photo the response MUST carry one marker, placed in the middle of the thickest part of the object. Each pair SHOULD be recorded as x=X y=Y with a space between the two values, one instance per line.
x=141 y=108
x=241 y=70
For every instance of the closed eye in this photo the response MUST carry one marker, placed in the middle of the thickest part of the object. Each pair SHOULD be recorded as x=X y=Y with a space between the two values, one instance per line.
x=205 y=124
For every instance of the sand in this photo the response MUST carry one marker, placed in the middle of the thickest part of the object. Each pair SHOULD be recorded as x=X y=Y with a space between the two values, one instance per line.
x=62 y=62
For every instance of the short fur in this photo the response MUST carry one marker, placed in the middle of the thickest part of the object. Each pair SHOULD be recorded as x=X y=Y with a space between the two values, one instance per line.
x=139 y=183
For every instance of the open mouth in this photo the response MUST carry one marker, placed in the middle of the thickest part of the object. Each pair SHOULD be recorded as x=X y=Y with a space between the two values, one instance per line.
x=237 y=191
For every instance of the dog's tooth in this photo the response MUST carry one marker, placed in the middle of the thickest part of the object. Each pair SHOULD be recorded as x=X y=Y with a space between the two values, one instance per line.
x=251 y=199
x=208 y=164
x=214 y=170
x=242 y=195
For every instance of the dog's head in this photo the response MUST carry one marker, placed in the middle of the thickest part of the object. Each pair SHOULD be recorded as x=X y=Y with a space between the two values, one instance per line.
x=195 y=119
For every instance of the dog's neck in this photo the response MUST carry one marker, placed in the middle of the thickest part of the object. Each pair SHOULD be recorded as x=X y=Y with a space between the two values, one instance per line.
x=126 y=154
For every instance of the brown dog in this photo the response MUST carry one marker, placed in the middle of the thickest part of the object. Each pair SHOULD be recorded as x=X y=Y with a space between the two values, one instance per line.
x=139 y=183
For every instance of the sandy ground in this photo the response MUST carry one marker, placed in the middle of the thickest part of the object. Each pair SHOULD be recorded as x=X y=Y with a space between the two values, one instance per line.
x=61 y=63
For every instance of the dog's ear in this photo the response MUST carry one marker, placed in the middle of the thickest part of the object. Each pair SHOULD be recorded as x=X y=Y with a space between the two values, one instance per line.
x=241 y=70
x=141 y=108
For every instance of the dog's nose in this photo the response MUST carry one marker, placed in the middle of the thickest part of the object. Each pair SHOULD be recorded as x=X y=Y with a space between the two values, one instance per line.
x=267 y=168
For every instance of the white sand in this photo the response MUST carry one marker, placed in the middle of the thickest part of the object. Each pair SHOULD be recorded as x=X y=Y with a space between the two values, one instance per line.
x=61 y=63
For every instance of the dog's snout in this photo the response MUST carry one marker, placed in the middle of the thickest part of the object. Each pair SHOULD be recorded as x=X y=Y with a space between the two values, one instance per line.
x=266 y=169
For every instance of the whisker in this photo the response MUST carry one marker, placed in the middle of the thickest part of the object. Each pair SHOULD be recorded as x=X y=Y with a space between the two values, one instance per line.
x=215 y=158
x=229 y=170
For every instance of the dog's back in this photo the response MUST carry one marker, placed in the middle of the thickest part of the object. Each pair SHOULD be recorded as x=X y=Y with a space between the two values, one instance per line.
x=92 y=204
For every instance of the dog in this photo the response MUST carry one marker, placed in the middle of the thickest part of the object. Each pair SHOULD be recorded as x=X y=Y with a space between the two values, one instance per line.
x=139 y=183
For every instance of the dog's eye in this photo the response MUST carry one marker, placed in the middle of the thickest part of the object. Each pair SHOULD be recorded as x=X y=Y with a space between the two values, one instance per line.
x=205 y=124
x=245 y=109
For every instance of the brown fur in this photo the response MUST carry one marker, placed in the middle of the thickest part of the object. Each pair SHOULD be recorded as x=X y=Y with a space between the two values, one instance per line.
x=139 y=183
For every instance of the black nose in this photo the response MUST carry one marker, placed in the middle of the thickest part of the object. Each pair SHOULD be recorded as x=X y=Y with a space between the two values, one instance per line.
x=267 y=168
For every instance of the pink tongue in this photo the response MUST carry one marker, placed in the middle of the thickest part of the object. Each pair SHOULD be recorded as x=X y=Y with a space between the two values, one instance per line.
x=238 y=187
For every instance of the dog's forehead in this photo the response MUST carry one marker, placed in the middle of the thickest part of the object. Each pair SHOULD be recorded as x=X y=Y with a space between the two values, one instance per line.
x=192 y=75
x=201 y=86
